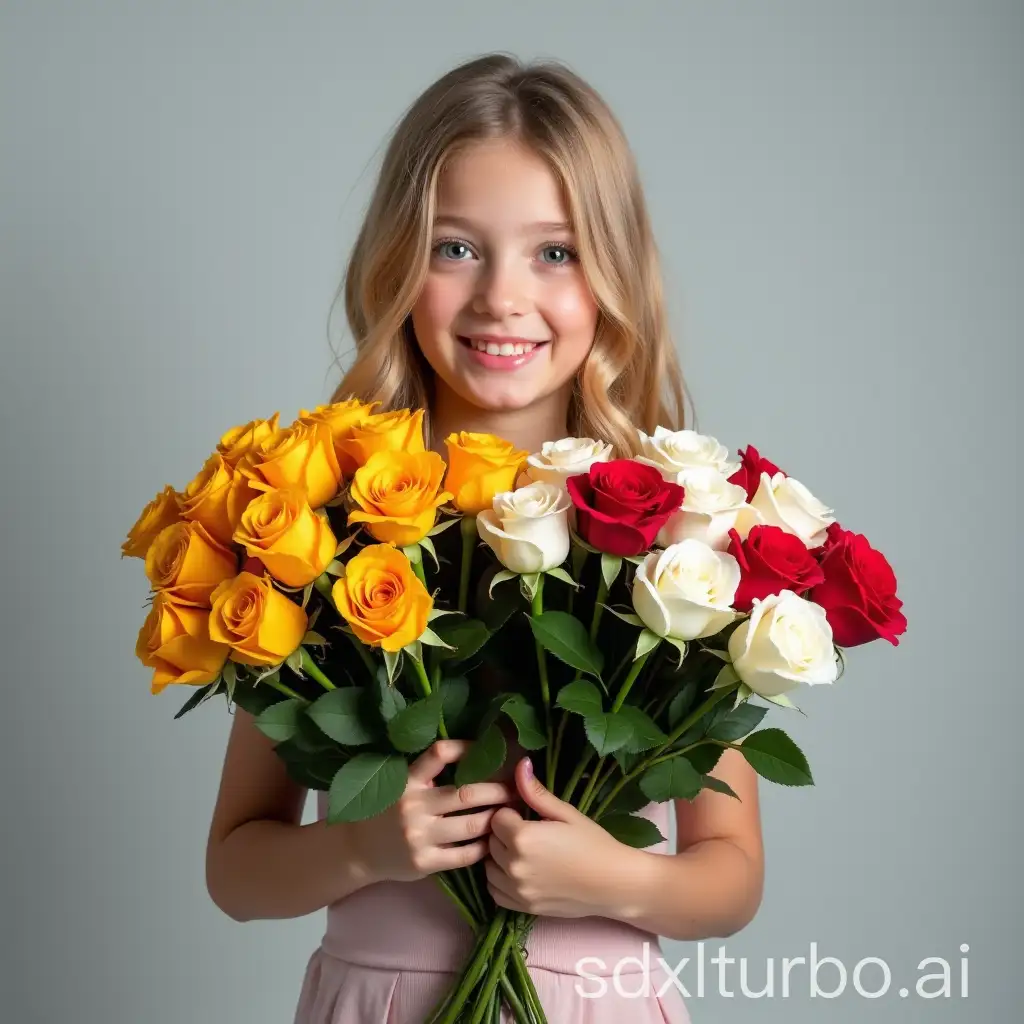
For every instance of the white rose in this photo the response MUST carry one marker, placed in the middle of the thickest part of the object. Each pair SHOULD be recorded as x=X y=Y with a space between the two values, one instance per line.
x=674 y=452
x=686 y=591
x=784 y=502
x=709 y=510
x=786 y=641
x=558 y=460
x=528 y=529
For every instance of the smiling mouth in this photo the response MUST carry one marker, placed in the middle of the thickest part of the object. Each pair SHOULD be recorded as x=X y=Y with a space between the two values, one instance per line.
x=504 y=348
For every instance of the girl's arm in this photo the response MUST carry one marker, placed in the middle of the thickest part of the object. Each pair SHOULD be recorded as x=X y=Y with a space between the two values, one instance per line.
x=260 y=861
x=713 y=885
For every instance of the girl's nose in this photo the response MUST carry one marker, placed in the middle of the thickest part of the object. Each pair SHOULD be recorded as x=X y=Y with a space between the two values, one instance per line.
x=502 y=292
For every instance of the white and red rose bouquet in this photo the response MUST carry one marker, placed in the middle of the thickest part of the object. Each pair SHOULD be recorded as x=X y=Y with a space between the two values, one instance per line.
x=625 y=616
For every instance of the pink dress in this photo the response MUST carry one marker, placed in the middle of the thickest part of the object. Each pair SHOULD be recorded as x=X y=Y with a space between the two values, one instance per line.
x=391 y=950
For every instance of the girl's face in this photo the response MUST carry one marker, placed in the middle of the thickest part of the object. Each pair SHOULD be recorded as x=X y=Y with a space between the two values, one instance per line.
x=505 y=317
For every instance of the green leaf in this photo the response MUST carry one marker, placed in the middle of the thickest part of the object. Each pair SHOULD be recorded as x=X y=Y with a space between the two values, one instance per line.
x=463 y=636
x=431 y=639
x=365 y=786
x=340 y=714
x=484 y=757
x=428 y=545
x=442 y=526
x=392 y=659
x=680 y=646
x=414 y=728
x=710 y=782
x=500 y=577
x=335 y=568
x=581 y=697
x=783 y=702
x=726 y=677
x=630 y=617
x=775 y=757
x=608 y=732
x=738 y=722
x=628 y=799
x=705 y=757
x=524 y=715
x=314 y=639
x=566 y=638
x=561 y=574
x=671 y=780
x=610 y=566
x=256 y=699
x=454 y=697
x=631 y=829
x=681 y=703
x=645 y=643
x=627 y=759
x=392 y=700
x=645 y=733
x=278 y=721
x=344 y=544
x=197 y=698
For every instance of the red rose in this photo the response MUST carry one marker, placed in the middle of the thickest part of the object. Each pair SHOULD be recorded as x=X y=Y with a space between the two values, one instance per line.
x=859 y=592
x=748 y=476
x=621 y=505
x=771 y=561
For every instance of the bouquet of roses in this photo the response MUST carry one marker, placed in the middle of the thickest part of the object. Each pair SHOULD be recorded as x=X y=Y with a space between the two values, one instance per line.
x=619 y=615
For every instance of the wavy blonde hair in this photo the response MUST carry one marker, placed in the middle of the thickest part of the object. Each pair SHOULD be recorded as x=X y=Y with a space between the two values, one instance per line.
x=631 y=377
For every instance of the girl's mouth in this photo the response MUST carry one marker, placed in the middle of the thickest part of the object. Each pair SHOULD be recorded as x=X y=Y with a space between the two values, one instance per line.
x=505 y=355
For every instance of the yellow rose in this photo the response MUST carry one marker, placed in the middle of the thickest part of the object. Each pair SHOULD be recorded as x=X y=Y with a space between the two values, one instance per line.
x=287 y=536
x=260 y=624
x=340 y=418
x=382 y=598
x=398 y=494
x=175 y=643
x=399 y=431
x=216 y=497
x=479 y=467
x=163 y=510
x=239 y=441
x=188 y=561
x=301 y=455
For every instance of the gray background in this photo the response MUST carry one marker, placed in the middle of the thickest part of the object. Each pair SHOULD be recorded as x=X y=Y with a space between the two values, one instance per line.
x=836 y=188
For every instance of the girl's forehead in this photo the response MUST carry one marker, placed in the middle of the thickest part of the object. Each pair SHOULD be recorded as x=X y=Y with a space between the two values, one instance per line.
x=500 y=180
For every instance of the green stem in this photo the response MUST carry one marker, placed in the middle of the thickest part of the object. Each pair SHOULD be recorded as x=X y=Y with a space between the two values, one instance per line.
x=421 y=672
x=591 y=786
x=460 y=904
x=602 y=593
x=536 y=610
x=713 y=698
x=310 y=666
x=469 y=535
x=476 y=967
x=417 y=567
x=574 y=781
x=637 y=667
x=283 y=688
x=494 y=975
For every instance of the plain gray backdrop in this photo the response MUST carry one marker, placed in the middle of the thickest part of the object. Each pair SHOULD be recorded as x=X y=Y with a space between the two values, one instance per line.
x=836 y=189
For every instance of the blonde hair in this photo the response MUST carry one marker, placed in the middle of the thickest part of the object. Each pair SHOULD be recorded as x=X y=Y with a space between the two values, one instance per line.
x=631 y=377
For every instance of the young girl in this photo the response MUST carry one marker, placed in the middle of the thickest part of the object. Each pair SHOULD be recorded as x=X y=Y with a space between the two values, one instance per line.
x=505 y=279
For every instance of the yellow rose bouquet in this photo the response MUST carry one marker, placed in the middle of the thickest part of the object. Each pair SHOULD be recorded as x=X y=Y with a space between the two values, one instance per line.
x=617 y=614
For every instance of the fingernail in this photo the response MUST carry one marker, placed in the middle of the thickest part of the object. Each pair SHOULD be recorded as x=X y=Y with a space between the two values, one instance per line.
x=528 y=770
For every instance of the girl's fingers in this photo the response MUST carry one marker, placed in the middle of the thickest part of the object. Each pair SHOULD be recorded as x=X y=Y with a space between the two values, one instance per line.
x=448 y=799
x=459 y=827
x=451 y=857
x=499 y=852
x=428 y=765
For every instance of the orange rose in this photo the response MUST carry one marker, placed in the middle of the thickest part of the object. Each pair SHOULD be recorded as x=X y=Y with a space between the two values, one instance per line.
x=259 y=623
x=175 y=642
x=340 y=417
x=216 y=497
x=287 y=536
x=479 y=467
x=163 y=510
x=398 y=494
x=382 y=598
x=301 y=455
x=187 y=560
x=239 y=441
x=399 y=431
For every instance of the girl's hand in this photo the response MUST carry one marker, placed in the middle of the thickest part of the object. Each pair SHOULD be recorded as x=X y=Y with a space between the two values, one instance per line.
x=416 y=835
x=563 y=866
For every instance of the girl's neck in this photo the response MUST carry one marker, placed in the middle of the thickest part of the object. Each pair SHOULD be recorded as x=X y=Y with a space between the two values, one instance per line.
x=526 y=428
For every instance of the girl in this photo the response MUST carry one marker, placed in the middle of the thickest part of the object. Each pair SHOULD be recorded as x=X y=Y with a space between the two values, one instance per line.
x=506 y=280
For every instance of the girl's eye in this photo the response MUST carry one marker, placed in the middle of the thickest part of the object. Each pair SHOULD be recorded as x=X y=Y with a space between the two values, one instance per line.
x=452 y=248
x=562 y=254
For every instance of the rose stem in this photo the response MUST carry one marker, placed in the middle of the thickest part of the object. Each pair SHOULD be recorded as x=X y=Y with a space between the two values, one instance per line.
x=468 y=528
x=310 y=666
x=536 y=610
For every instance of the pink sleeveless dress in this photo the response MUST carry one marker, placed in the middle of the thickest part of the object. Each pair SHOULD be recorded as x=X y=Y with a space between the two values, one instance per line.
x=390 y=951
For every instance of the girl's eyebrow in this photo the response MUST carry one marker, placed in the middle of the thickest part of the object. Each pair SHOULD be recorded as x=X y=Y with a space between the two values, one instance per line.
x=468 y=225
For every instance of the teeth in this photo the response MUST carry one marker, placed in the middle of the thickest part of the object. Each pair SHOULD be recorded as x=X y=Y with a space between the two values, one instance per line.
x=506 y=348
